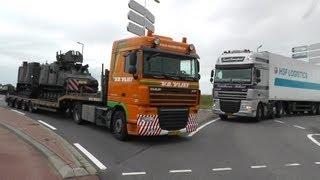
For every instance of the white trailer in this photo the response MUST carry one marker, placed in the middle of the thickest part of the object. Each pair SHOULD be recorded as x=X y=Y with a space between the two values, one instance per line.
x=264 y=84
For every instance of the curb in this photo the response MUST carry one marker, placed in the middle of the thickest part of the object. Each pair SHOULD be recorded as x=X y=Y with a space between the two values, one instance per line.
x=65 y=170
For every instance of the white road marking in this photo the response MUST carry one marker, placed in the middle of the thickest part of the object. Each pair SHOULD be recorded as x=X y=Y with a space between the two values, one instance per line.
x=90 y=156
x=317 y=163
x=180 y=171
x=18 y=112
x=257 y=167
x=48 y=125
x=293 y=164
x=133 y=173
x=222 y=169
x=202 y=126
x=313 y=140
x=300 y=127
x=279 y=121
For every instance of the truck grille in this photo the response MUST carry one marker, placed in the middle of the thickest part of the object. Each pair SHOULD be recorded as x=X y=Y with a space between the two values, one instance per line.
x=173 y=118
x=232 y=95
x=172 y=97
x=229 y=106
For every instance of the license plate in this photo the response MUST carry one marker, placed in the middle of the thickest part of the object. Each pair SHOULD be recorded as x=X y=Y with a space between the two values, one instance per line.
x=228 y=114
x=82 y=82
x=174 y=133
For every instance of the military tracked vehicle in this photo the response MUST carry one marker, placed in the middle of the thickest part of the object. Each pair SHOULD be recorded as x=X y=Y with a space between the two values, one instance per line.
x=50 y=81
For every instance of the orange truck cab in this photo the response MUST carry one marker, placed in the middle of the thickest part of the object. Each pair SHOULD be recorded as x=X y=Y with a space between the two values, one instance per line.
x=153 y=86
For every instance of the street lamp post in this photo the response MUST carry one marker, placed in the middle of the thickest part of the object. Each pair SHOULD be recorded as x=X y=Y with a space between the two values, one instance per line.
x=82 y=47
x=259 y=48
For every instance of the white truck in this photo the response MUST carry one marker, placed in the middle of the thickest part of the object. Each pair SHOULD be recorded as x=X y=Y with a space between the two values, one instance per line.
x=264 y=85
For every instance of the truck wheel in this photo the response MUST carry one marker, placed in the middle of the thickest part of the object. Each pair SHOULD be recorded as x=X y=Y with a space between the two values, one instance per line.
x=10 y=102
x=120 y=125
x=313 y=110
x=318 y=108
x=17 y=104
x=31 y=107
x=280 y=110
x=272 y=112
x=223 y=117
x=24 y=105
x=259 y=114
x=77 y=114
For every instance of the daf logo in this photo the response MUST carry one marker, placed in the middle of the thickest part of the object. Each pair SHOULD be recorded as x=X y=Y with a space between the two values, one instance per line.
x=155 y=89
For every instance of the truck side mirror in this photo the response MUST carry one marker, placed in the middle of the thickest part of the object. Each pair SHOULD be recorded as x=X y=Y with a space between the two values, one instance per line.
x=133 y=58
x=258 y=74
x=198 y=66
x=132 y=69
x=211 y=76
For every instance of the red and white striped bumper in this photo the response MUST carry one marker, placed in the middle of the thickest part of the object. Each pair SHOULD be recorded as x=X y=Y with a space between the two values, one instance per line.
x=152 y=128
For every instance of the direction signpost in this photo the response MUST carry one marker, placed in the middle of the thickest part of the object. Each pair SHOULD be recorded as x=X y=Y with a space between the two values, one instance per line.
x=141 y=18
x=312 y=52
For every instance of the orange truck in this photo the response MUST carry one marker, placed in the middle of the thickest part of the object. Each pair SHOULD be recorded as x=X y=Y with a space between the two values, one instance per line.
x=151 y=89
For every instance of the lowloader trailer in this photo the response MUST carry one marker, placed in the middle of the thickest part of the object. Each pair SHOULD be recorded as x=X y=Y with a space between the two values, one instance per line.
x=152 y=89
x=264 y=85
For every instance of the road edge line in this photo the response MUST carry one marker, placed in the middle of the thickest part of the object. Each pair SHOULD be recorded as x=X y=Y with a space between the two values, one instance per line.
x=312 y=139
x=202 y=126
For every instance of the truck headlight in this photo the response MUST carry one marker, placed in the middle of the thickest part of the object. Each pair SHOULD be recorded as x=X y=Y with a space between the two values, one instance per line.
x=248 y=108
x=147 y=118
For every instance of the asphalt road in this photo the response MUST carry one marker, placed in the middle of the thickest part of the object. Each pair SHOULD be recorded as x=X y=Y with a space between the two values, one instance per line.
x=232 y=149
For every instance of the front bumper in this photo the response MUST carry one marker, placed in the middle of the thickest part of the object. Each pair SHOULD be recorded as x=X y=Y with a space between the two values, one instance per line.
x=152 y=128
x=246 y=109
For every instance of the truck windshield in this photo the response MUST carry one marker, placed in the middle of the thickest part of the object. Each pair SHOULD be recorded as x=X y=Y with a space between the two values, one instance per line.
x=233 y=75
x=165 y=66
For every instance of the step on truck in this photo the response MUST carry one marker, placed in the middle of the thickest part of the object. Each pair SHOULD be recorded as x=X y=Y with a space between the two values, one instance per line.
x=151 y=89
x=264 y=85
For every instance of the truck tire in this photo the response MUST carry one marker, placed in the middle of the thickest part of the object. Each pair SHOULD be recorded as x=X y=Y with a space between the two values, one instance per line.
x=31 y=107
x=280 y=110
x=77 y=113
x=259 y=114
x=17 y=104
x=10 y=102
x=313 y=110
x=318 y=109
x=223 y=116
x=272 y=112
x=24 y=105
x=120 y=125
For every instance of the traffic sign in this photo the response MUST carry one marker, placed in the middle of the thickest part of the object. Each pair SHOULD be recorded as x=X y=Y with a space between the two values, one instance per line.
x=299 y=49
x=300 y=55
x=141 y=10
x=136 y=18
x=135 y=29
x=314 y=53
x=314 y=46
x=314 y=60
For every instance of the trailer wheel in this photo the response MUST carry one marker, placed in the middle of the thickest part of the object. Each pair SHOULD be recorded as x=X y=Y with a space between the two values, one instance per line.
x=259 y=113
x=318 y=108
x=77 y=114
x=10 y=102
x=24 y=105
x=223 y=116
x=280 y=110
x=17 y=104
x=313 y=110
x=31 y=107
x=120 y=125
x=272 y=112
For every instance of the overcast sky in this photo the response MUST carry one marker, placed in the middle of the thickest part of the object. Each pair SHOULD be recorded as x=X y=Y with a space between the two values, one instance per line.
x=34 y=30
